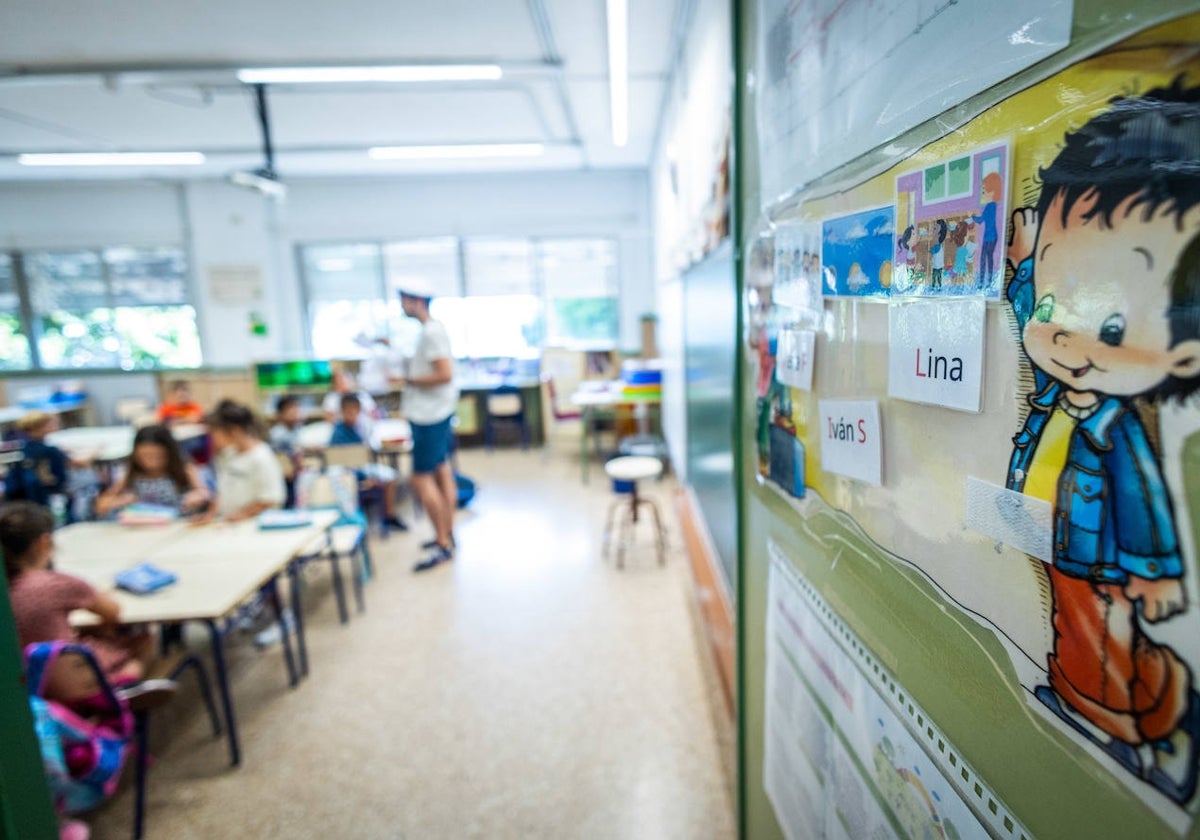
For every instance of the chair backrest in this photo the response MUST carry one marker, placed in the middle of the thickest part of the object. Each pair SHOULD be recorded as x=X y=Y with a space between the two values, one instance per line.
x=333 y=488
x=505 y=403
x=353 y=456
x=287 y=465
x=132 y=409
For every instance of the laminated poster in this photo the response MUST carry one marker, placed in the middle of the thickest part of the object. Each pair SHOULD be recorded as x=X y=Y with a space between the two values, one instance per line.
x=845 y=756
x=826 y=70
x=1068 y=509
x=951 y=216
x=798 y=267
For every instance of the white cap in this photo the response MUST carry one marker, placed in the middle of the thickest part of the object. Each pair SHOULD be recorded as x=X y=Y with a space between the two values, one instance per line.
x=416 y=286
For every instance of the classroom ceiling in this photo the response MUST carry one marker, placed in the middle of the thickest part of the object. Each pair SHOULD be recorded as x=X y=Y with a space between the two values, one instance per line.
x=147 y=75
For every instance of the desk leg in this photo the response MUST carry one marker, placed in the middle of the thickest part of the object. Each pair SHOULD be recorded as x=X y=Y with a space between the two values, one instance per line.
x=218 y=651
x=298 y=616
x=586 y=421
x=285 y=638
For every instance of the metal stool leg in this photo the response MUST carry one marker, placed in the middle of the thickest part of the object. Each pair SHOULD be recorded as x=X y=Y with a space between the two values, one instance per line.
x=660 y=534
x=358 y=570
x=613 y=506
x=141 y=736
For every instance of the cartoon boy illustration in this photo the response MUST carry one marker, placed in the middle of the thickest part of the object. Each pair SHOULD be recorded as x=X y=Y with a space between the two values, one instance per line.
x=1109 y=311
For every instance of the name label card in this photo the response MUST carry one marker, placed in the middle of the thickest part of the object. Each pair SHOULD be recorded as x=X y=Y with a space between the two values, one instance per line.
x=852 y=439
x=794 y=360
x=935 y=352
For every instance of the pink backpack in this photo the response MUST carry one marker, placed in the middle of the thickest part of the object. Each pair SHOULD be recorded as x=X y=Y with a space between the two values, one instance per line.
x=82 y=757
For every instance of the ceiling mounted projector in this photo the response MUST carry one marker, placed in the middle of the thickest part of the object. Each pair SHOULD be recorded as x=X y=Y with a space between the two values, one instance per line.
x=261 y=181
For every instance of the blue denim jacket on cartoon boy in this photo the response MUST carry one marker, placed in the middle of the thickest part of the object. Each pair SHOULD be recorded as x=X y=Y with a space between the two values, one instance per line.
x=1112 y=513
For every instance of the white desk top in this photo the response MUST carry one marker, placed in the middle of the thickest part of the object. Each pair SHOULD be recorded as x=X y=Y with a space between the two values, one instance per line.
x=111 y=443
x=218 y=566
x=388 y=433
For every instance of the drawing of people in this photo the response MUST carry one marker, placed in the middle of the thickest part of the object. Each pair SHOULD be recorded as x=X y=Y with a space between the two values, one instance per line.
x=937 y=254
x=964 y=252
x=991 y=192
x=1106 y=293
x=904 y=248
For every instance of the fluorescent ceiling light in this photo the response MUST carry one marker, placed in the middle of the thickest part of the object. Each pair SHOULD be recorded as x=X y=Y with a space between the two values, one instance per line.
x=395 y=73
x=113 y=159
x=478 y=150
x=618 y=69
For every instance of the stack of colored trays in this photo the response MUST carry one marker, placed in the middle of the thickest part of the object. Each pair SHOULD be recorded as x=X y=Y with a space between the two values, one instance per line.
x=641 y=385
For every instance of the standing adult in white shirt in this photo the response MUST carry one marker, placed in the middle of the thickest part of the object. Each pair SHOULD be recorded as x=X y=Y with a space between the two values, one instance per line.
x=430 y=399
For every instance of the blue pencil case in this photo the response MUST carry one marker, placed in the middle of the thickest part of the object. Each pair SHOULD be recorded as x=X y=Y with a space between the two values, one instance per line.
x=143 y=579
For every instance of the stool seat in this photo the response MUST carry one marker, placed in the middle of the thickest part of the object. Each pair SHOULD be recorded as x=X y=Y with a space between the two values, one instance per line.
x=633 y=468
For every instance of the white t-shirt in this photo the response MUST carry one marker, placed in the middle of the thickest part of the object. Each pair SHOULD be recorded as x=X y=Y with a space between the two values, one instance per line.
x=430 y=404
x=247 y=477
x=332 y=404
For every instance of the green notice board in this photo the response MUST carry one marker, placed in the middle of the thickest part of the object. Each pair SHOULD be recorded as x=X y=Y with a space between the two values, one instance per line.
x=710 y=295
x=968 y=566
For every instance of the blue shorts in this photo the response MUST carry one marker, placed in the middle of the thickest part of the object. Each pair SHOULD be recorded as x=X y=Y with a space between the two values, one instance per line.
x=430 y=445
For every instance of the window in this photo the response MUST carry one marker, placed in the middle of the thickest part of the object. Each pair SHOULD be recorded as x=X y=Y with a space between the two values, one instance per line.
x=498 y=297
x=346 y=308
x=948 y=180
x=14 y=346
x=117 y=308
x=579 y=277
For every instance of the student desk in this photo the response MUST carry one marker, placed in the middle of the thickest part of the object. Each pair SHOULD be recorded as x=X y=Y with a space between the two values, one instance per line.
x=597 y=399
x=219 y=567
x=107 y=444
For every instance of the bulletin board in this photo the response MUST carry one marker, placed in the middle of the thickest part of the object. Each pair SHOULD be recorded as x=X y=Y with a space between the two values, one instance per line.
x=969 y=599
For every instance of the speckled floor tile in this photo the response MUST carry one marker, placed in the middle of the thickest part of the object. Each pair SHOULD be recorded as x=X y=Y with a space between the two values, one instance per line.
x=528 y=690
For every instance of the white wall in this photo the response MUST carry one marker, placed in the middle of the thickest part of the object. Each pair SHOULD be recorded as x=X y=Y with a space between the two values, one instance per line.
x=695 y=121
x=223 y=225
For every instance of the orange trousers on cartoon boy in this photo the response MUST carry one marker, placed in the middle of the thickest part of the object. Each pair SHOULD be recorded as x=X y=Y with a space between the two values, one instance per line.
x=1107 y=669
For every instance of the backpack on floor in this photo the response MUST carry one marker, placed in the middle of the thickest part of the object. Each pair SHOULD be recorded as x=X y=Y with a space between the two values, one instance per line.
x=466 y=489
x=82 y=756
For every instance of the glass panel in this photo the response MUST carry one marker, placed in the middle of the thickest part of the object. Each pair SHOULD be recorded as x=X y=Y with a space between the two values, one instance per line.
x=431 y=263
x=147 y=276
x=499 y=267
x=578 y=267
x=490 y=327
x=342 y=272
x=14 y=346
x=157 y=336
x=342 y=329
x=582 y=323
x=82 y=339
x=67 y=281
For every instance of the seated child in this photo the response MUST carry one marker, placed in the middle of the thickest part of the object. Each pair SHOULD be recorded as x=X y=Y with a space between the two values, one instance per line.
x=42 y=599
x=284 y=438
x=179 y=406
x=157 y=475
x=354 y=427
x=344 y=385
x=42 y=470
x=249 y=479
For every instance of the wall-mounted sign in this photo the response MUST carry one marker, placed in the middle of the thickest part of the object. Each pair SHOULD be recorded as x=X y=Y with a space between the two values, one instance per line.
x=852 y=439
x=235 y=283
x=794 y=360
x=935 y=352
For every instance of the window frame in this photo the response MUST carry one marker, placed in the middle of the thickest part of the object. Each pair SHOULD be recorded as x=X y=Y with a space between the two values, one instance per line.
x=539 y=289
x=30 y=318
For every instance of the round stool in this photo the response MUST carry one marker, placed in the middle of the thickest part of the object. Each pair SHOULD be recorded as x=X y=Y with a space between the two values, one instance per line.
x=625 y=473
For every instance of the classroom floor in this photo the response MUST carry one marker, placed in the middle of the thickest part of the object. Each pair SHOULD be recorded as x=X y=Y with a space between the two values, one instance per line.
x=527 y=690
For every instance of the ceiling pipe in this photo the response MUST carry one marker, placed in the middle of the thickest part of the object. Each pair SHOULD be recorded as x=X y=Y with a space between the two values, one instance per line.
x=550 y=57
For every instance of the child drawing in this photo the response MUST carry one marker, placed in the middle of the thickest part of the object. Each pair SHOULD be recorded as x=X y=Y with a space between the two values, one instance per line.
x=964 y=252
x=937 y=254
x=990 y=191
x=904 y=249
x=1106 y=294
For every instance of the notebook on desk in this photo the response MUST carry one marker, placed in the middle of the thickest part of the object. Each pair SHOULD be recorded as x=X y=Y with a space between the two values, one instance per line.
x=270 y=520
x=144 y=578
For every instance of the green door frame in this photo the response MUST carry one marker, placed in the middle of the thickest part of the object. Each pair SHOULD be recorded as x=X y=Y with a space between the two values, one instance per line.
x=26 y=812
